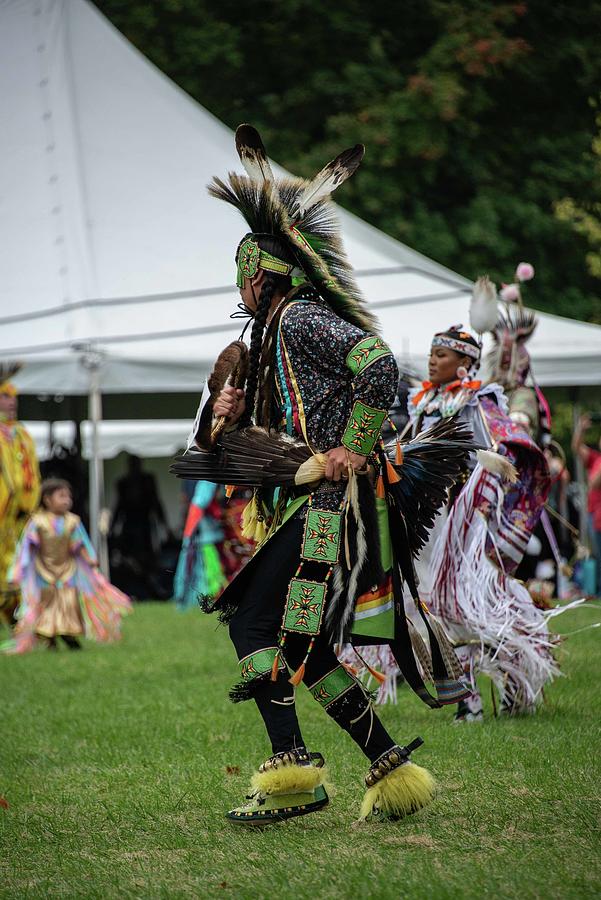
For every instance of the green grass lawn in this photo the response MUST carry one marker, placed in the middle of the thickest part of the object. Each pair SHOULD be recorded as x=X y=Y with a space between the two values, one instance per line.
x=118 y=763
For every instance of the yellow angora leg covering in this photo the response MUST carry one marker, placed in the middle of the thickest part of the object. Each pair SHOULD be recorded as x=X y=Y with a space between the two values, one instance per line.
x=403 y=791
x=288 y=779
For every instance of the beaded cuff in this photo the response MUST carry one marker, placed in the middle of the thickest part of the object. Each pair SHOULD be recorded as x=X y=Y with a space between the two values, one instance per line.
x=332 y=686
x=259 y=663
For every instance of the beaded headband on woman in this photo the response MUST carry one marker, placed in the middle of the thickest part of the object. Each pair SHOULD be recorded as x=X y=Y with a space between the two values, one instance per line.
x=459 y=341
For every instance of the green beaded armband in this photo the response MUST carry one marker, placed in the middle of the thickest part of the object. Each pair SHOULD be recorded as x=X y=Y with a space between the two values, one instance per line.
x=366 y=352
x=363 y=429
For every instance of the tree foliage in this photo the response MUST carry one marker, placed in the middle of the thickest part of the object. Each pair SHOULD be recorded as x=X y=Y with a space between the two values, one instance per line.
x=479 y=117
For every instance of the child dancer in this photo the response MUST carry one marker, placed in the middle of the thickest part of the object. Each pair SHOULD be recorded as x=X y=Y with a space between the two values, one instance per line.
x=63 y=593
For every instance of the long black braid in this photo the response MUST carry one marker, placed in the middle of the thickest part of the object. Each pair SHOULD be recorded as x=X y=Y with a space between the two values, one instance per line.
x=268 y=289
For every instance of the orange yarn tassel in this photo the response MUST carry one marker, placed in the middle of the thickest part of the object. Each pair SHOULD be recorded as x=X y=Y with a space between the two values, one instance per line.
x=275 y=667
x=229 y=491
x=392 y=473
x=350 y=669
x=380 y=489
x=378 y=676
x=399 y=454
x=375 y=674
x=298 y=675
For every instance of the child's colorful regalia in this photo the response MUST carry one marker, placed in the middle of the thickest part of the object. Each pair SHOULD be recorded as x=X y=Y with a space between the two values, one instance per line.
x=62 y=591
x=19 y=496
x=332 y=555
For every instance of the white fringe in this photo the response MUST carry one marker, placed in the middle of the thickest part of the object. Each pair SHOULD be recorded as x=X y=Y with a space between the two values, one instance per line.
x=483 y=609
x=508 y=636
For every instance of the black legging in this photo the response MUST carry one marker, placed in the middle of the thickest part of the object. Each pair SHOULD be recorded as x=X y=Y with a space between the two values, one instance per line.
x=256 y=624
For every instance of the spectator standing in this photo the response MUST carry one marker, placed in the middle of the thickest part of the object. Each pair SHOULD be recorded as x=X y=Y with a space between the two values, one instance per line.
x=138 y=521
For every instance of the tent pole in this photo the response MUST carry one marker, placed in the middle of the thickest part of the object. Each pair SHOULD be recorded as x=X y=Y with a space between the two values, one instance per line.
x=92 y=362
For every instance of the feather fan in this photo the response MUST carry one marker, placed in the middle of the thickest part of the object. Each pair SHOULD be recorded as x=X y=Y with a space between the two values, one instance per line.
x=254 y=457
x=432 y=462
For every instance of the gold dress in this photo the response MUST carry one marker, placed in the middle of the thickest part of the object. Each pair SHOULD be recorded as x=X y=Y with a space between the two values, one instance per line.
x=62 y=591
x=55 y=563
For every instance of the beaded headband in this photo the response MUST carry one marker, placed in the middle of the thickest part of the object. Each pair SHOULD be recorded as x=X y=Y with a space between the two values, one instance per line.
x=456 y=344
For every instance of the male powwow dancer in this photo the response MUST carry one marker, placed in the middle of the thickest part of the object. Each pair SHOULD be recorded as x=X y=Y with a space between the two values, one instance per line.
x=337 y=516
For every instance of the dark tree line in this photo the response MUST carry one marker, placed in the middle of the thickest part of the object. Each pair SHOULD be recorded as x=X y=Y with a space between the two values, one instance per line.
x=481 y=118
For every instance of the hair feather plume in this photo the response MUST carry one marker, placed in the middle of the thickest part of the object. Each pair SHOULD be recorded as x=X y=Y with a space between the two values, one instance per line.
x=8 y=369
x=325 y=182
x=258 y=203
x=252 y=153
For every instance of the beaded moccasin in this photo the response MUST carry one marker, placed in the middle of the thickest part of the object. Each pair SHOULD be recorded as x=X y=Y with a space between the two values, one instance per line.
x=396 y=787
x=286 y=785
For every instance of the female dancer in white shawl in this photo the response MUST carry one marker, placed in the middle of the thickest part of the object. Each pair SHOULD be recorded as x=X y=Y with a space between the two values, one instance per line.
x=465 y=572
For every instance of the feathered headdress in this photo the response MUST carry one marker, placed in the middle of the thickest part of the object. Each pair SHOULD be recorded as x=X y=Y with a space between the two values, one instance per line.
x=7 y=370
x=509 y=359
x=301 y=216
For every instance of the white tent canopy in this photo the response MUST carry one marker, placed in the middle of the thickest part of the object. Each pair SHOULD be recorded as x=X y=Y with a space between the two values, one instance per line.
x=147 y=438
x=110 y=239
